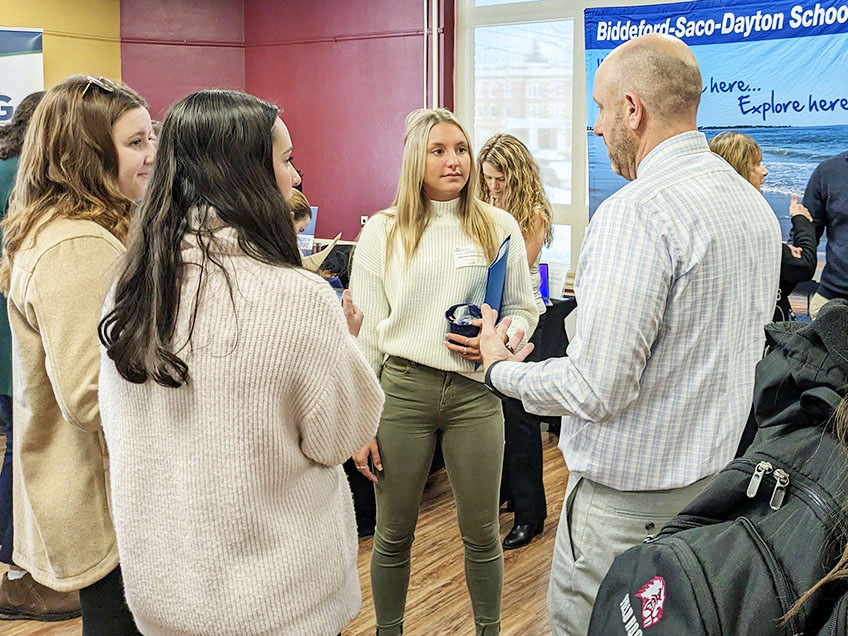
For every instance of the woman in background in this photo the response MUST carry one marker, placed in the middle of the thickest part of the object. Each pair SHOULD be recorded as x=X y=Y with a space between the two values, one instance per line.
x=509 y=179
x=231 y=392
x=300 y=210
x=798 y=261
x=413 y=262
x=85 y=161
x=20 y=595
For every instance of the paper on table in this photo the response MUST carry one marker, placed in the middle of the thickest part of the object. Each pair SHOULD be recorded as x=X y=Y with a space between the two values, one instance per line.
x=557 y=273
x=314 y=261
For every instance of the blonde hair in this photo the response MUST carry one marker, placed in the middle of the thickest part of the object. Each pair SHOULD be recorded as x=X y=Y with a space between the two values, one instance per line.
x=69 y=166
x=412 y=208
x=524 y=196
x=299 y=206
x=740 y=151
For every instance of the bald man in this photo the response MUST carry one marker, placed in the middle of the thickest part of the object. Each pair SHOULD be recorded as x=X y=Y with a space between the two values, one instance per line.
x=677 y=276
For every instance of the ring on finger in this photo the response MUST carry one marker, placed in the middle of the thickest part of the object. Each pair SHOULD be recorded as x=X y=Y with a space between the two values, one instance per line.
x=466 y=341
x=465 y=351
x=510 y=349
x=361 y=467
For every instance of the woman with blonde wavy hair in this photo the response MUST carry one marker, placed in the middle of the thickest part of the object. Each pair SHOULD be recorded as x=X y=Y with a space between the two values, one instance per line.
x=797 y=261
x=86 y=159
x=509 y=179
x=429 y=252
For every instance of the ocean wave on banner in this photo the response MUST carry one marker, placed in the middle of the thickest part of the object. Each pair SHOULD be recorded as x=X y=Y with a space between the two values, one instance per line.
x=792 y=153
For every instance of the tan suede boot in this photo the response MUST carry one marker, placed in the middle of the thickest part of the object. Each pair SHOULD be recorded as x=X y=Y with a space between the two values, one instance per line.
x=24 y=599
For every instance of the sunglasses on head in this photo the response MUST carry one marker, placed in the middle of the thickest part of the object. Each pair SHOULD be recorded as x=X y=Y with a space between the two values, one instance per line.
x=103 y=83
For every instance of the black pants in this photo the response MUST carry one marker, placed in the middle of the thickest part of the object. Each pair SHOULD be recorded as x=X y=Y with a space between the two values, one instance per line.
x=6 y=525
x=104 y=609
x=521 y=479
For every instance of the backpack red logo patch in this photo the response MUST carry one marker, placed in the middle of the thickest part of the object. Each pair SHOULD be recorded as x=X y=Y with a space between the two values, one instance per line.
x=653 y=599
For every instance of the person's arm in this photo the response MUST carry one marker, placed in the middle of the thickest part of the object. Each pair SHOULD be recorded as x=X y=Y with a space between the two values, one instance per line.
x=815 y=201
x=64 y=299
x=340 y=400
x=367 y=290
x=534 y=239
x=622 y=295
x=794 y=269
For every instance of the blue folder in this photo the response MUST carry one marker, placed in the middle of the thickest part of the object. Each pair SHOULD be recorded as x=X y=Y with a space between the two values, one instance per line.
x=497 y=278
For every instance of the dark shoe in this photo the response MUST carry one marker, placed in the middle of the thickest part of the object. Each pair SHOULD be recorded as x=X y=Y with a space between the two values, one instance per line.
x=24 y=599
x=522 y=534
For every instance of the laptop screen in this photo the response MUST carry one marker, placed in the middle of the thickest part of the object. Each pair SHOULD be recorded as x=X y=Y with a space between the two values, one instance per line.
x=543 y=287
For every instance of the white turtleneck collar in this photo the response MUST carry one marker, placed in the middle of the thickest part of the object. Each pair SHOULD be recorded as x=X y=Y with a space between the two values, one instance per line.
x=443 y=208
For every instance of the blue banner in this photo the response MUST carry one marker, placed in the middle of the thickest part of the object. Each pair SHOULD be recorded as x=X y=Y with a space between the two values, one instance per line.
x=777 y=71
x=716 y=21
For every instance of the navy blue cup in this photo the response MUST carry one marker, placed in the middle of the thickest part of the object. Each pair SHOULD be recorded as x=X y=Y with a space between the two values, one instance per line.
x=470 y=331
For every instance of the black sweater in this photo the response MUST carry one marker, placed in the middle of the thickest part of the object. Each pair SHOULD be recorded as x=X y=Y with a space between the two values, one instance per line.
x=826 y=198
x=793 y=269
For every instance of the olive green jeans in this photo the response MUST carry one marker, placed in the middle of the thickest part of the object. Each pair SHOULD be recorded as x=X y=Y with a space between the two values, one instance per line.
x=419 y=402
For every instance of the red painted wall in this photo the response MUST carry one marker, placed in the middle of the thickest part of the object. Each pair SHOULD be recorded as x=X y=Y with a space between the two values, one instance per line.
x=169 y=50
x=346 y=74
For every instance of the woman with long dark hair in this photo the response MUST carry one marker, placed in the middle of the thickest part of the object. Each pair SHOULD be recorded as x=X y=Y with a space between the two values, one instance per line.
x=231 y=392
x=85 y=161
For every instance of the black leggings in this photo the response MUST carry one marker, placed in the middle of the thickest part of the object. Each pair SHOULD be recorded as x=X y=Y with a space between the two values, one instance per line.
x=104 y=609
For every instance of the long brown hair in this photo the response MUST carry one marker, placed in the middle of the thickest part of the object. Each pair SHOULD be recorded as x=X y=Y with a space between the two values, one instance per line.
x=524 y=197
x=12 y=134
x=839 y=572
x=214 y=165
x=412 y=209
x=69 y=166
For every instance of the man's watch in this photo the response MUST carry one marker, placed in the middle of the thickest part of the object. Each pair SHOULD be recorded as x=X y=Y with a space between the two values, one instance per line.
x=488 y=381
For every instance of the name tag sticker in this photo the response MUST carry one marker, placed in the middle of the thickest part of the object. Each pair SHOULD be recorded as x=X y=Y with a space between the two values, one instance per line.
x=468 y=256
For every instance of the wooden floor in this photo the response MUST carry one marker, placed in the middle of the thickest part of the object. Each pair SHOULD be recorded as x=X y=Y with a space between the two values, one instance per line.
x=438 y=603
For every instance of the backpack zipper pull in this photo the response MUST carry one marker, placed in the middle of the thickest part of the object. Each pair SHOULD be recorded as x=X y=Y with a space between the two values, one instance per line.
x=779 y=493
x=757 y=478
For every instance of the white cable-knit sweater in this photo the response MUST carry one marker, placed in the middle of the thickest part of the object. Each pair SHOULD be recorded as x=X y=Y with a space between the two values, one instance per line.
x=232 y=512
x=404 y=305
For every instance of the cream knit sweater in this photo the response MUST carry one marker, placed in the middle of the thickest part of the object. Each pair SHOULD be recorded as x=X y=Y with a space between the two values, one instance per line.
x=232 y=512
x=404 y=305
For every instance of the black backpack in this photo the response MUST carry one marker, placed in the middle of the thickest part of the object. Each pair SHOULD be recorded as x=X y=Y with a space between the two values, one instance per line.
x=764 y=531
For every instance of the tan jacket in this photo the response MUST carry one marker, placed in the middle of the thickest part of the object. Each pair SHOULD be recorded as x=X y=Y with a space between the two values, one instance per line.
x=63 y=526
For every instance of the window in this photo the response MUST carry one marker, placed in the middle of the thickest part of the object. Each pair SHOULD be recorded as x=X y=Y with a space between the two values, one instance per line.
x=523 y=60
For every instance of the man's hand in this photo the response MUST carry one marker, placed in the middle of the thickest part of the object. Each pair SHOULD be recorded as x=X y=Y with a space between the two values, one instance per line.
x=495 y=344
x=796 y=251
x=796 y=208
x=351 y=313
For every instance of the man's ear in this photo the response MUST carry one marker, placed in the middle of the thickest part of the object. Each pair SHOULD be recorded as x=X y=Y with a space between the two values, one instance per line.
x=634 y=110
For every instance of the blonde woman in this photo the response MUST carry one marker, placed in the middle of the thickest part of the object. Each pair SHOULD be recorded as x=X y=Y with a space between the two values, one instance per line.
x=86 y=159
x=798 y=261
x=426 y=253
x=509 y=179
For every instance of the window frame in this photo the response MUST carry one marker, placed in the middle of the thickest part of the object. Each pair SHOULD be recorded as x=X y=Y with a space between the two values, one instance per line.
x=469 y=17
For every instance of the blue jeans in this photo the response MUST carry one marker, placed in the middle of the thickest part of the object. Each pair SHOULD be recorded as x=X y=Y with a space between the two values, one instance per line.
x=6 y=524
